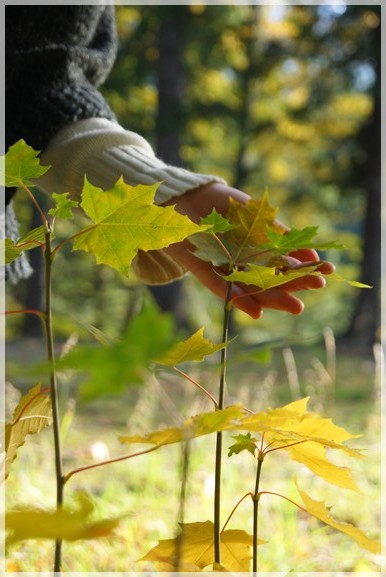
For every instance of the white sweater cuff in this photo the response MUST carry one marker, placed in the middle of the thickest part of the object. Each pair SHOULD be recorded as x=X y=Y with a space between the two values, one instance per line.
x=104 y=151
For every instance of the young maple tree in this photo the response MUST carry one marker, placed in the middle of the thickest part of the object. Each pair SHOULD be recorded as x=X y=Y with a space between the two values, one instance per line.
x=248 y=246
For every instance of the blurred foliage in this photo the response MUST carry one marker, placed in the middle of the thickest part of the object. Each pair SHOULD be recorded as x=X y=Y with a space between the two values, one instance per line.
x=274 y=97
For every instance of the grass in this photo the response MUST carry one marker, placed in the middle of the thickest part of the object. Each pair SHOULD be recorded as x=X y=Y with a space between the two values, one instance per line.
x=145 y=490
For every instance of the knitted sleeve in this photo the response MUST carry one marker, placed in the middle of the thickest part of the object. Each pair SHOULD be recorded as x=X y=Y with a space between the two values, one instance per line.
x=104 y=151
x=55 y=58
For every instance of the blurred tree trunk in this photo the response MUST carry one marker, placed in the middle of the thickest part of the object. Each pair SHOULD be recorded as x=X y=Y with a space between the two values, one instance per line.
x=171 y=41
x=364 y=326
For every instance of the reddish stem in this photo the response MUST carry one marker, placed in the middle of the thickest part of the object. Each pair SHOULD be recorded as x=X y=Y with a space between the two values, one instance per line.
x=102 y=463
x=284 y=497
x=74 y=236
x=196 y=384
x=40 y=314
x=43 y=216
x=234 y=509
x=283 y=446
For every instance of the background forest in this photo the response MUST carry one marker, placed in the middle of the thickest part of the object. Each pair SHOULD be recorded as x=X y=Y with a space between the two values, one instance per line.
x=268 y=97
x=284 y=98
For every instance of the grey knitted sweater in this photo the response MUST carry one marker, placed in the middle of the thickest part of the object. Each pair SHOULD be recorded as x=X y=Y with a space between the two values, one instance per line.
x=55 y=58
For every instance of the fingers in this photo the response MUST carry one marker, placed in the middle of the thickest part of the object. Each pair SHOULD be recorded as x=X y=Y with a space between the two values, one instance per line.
x=247 y=298
x=310 y=255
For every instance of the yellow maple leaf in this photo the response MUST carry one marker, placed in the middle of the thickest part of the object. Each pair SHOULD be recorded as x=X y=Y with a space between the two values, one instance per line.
x=126 y=220
x=305 y=436
x=69 y=524
x=251 y=221
x=32 y=414
x=319 y=510
x=195 y=348
x=196 y=426
x=195 y=546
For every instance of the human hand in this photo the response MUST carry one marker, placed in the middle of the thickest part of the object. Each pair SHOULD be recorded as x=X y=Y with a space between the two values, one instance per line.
x=200 y=202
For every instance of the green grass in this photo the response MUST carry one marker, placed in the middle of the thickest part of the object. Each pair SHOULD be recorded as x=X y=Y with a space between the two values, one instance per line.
x=145 y=490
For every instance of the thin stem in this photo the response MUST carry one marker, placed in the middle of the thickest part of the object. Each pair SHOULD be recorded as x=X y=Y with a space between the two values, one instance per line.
x=226 y=251
x=256 y=499
x=286 y=498
x=284 y=446
x=67 y=477
x=73 y=237
x=39 y=314
x=234 y=509
x=54 y=393
x=181 y=512
x=217 y=482
x=33 y=199
x=196 y=384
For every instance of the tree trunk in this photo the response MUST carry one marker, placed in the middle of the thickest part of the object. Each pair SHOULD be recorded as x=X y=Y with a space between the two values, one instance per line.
x=364 y=326
x=169 y=125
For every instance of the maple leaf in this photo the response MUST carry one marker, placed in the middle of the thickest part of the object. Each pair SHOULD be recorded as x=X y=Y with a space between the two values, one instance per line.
x=319 y=510
x=196 y=426
x=269 y=277
x=125 y=220
x=195 y=546
x=20 y=165
x=195 y=348
x=296 y=239
x=208 y=248
x=335 y=276
x=111 y=367
x=34 y=238
x=70 y=524
x=218 y=223
x=32 y=414
x=252 y=220
x=305 y=436
x=243 y=443
x=64 y=206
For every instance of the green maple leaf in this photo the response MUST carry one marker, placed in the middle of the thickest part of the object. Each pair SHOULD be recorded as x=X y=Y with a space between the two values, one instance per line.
x=20 y=165
x=34 y=238
x=243 y=443
x=195 y=348
x=209 y=249
x=296 y=239
x=111 y=367
x=218 y=222
x=335 y=276
x=64 y=206
x=125 y=220
x=269 y=277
